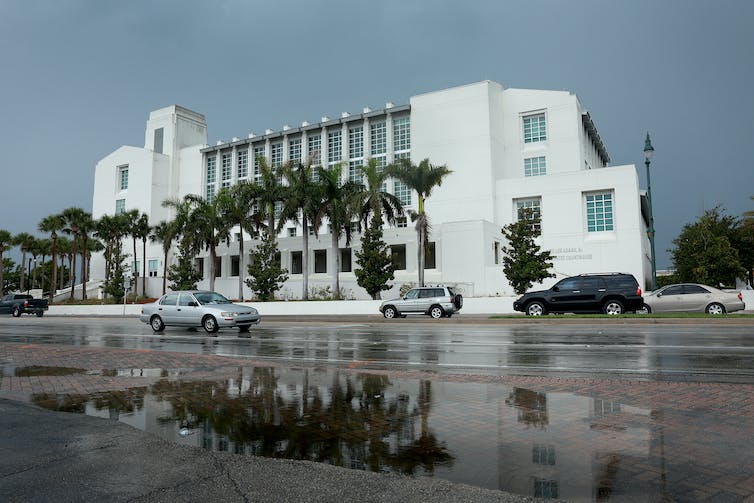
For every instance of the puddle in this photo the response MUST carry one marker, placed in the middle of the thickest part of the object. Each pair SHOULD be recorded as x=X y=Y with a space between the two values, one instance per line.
x=548 y=445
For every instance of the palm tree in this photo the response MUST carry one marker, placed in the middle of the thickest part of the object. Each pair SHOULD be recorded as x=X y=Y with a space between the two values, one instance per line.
x=6 y=240
x=45 y=249
x=421 y=178
x=35 y=250
x=165 y=233
x=339 y=206
x=237 y=208
x=53 y=224
x=74 y=219
x=272 y=191
x=132 y=217
x=24 y=241
x=375 y=201
x=111 y=229
x=142 y=230
x=86 y=227
x=303 y=198
x=65 y=246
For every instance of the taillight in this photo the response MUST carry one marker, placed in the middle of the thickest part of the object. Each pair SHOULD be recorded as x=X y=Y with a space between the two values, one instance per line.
x=638 y=291
x=451 y=300
x=26 y=303
x=740 y=297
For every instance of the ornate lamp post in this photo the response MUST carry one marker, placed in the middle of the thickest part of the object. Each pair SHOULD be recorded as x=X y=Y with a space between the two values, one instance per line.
x=648 y=151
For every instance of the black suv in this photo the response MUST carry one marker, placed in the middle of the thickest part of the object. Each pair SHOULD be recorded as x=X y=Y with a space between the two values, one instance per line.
x=609 y=293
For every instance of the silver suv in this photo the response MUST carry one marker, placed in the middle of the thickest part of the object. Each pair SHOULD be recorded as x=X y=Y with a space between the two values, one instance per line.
x=436 y=301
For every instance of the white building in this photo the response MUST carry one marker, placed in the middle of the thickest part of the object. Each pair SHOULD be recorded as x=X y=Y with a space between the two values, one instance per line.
x=508 y=149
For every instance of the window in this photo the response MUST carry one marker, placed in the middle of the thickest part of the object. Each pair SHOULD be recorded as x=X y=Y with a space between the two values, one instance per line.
x=673 y=290
x=345 y=260
x=291 y=232
x=123 y=177
x=296 y=262
x=535 y=166
x=356 y=143
x=120 y=206
x=546 y=489
x=534 y=206
x=136 y=267
x=401 y=134
x=158 y=135
x=276 y=154
x=496 y=252
x=599 y=212
x=258 y=152
x=235 y=265
x=378 y=137
x=294 y=150
x=402 y=192
x=354 y=171
x=152 y=267
x=218 y=267
x=211 y=174
x=429 y=256
x=320 y=261
x=199 y=266
x=334 y=149
x=314 y=150
x=401 y=222
x=398 y=254
x=226 y=172
x=170 y=299
x=692 y=289
x=242 y=164
x=534 y=128
x=185 y=299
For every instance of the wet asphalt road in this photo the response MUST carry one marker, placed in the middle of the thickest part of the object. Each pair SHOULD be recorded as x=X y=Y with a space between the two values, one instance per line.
x=668 y=351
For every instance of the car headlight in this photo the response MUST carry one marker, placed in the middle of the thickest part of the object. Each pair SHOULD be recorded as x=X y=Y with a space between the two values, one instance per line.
x=227 y=315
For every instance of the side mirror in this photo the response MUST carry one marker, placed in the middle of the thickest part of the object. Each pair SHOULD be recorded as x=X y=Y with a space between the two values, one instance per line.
x=193 y=304
x=659 y=294
x=555 y=289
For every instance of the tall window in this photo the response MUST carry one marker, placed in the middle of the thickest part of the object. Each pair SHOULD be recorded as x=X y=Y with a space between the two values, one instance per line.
x=398 y=256
x=378 y=144
x=211 y=175
x=599 y=212
x=355 y=153
x=227 y=170
x=152 y=267
x=158 y=134
x=120 y=206
x=534 y=205
x=276 y=154
x=334 y=148
x=294 y=150
x=258 y=152
x=314 y=149
x=401 y=134
x=535 y=166
x=535 y=128
x=243 y=164
x=402 y=192
x=123 y=177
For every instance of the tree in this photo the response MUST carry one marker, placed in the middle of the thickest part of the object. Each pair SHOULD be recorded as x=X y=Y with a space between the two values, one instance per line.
x=183 y=275
x=374 y=199
x=86 y=227
x=142 y=230
x=375 y=263
x=165 y=233
x=238 y=208
x=704 y=251
x=272 y=191
x=300 y=205
x=339 y=205
x=74 y=220
x=23 y=241
x=6 y=240
x=53 y=224
x=266 y=276
x=523 y=262
x=421 y=178
x=44 y=247
x=111 y=229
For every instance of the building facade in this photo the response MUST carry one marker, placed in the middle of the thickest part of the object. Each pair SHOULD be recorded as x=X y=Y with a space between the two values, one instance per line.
x=508 y=149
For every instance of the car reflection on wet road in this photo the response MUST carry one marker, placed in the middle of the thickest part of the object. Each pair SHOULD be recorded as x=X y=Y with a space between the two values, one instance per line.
x=584 y=412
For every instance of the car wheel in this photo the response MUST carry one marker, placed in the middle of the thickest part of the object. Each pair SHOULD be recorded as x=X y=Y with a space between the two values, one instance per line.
x=210 y=324
x=535 y=308
x=243 y=328
x=40 y=314
x=644 y=309
x=156 y=323
x=612 y=307
x=16 y=311
x=715 y=308
x=436 y=312
x=389 y=312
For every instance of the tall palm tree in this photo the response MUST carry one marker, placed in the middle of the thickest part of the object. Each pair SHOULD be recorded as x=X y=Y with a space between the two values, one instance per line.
x=65 y=246
x=35 y=250
x=165 y=233
x=53 y=224
x=273 y=191
x=74 y=219
x=45 y=249
x=132 y=218
x=143 y=229
x=6 y=240
x=339 y=206
x=237 y=207
x=111 y=229
x=23 y=241
x=86 y=227
x=303 y=198
x=375 y=201
x=421 y=178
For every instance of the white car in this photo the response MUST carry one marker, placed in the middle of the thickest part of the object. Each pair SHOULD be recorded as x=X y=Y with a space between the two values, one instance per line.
x=693 y=298
x=198 y=308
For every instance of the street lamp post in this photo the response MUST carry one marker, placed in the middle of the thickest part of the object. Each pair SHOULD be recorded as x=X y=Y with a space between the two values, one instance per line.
x=648 y=151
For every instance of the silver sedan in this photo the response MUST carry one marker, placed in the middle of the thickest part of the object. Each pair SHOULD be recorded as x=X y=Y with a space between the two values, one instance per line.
x=691 y=297
x=197 y=308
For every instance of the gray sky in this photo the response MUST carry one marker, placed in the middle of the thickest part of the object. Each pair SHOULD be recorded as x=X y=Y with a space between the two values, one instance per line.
x=79 y=78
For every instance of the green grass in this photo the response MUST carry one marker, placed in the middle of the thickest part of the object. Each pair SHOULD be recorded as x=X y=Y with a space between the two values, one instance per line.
x=629 y=316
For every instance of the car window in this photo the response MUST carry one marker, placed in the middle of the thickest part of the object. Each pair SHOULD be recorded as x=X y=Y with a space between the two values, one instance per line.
x=412 y=294
x=593 y=283
x=439 y=292
x=569 y=284
x=210 y=298
x=694 y=289
x=427 y=293
x=186 y=299
x=170 y=299
x=673 y=290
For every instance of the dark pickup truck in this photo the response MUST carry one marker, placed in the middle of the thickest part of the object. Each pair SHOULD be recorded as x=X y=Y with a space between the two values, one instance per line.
x=18 y=304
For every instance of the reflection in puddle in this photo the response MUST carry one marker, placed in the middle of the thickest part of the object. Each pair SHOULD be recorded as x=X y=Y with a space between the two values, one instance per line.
x=548 y=445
